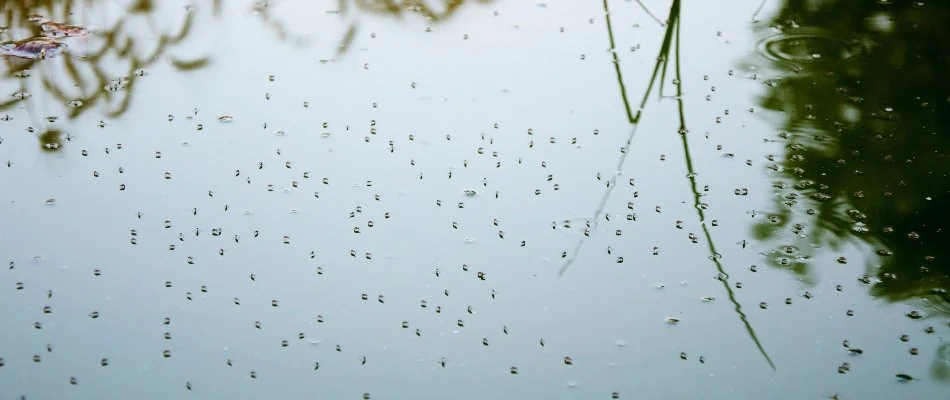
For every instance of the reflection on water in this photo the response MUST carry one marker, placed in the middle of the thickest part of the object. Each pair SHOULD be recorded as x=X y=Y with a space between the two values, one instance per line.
x=443 y=10
x=316 y=259
x=669 y=49
x=799 y=47
x=863 y=89
x=134 y=40
x=351 y=12
x=263 y=10
x=101 y=68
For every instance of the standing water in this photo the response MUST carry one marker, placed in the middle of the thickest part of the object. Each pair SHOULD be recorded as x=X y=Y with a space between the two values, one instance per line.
x=432 y=199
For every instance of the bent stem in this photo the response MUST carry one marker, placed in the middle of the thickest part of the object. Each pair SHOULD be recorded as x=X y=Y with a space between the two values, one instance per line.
x=758 y=10
x=697 y=204
x=672 y=32
x=613 y=51
x=644 y=7
x=662 y=60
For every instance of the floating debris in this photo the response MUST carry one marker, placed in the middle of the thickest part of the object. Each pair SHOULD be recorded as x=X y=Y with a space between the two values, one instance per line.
x=37 y=48
x=61 y=30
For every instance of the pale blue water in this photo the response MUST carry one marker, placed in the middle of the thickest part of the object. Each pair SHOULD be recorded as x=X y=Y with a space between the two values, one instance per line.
x=253 y=144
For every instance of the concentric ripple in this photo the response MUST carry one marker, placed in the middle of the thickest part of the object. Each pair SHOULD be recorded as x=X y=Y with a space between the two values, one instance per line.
x=798 y=48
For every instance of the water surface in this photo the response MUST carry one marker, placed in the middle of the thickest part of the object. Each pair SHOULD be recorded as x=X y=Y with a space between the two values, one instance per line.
x=475 y=199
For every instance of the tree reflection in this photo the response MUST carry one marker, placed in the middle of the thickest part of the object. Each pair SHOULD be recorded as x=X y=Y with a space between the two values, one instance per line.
x=432 y=10
x=106 y=70
x=443 y=10
x=422 y=7
x=864 y=91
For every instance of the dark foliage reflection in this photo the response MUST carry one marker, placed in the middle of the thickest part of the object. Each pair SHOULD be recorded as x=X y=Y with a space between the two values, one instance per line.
x=863 y=87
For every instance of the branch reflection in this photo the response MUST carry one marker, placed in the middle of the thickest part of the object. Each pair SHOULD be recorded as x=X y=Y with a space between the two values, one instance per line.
x=101 y=69
x=351 y=11
x=445 y=10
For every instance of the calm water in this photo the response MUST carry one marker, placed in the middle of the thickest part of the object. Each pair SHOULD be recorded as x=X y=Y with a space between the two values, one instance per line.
x=475 y=199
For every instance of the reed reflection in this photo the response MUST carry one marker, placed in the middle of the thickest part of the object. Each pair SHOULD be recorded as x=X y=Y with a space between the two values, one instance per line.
x=669 y=51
